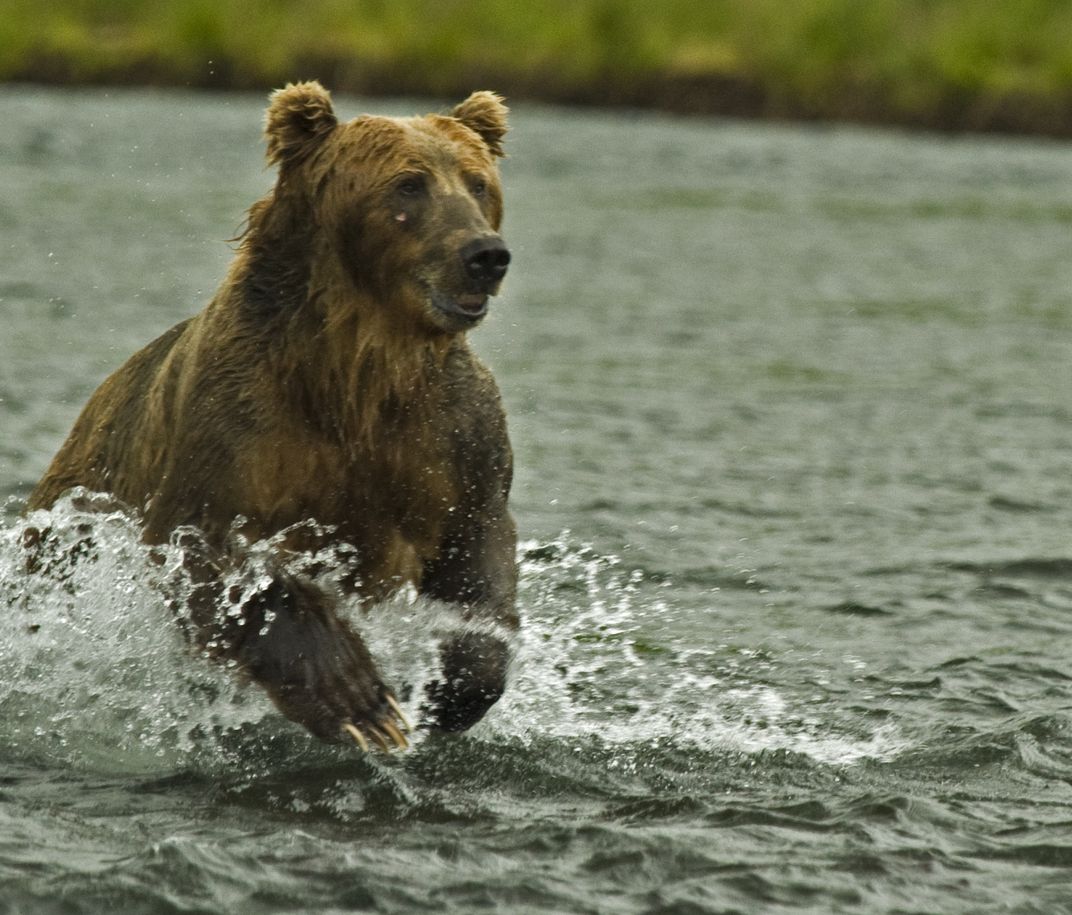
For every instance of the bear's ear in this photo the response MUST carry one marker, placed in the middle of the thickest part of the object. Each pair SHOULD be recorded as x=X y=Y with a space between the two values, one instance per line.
x=299 y=117
x=485 y=113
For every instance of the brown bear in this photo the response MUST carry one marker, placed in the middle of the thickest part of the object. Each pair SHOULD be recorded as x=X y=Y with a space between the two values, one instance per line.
x=328 y=393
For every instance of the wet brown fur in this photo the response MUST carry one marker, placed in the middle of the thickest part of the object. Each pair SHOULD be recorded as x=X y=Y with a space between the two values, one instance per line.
x=321 y=383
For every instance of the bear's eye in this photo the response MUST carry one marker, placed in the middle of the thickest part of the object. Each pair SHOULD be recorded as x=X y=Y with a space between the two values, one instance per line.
x=479 y=187
x=410 y=186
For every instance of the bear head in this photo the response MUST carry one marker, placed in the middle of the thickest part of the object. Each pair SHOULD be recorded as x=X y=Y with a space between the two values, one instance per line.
x=410 y=207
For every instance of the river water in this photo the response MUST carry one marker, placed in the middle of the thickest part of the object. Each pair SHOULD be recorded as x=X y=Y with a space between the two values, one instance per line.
x=792 y=411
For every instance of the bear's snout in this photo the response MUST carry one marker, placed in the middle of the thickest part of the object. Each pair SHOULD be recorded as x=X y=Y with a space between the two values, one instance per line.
x=486 y=260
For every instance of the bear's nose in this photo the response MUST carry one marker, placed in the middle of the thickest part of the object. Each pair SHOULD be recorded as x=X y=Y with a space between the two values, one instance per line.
x=486 y=259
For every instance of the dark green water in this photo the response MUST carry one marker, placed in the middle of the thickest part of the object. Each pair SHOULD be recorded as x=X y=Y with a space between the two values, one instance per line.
x=793 y=418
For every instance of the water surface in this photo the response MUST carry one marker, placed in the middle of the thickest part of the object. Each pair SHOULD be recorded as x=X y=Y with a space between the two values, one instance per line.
x=791 y=410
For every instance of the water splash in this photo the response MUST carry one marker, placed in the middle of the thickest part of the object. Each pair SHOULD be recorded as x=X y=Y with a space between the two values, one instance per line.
x=96 y=675
x=591 y=661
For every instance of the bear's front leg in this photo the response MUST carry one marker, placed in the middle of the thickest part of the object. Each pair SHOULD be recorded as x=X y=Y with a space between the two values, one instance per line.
x=477 y=570
x=315 y=668
x=474 y=677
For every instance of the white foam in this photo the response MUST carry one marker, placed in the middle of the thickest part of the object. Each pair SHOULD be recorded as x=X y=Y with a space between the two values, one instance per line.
x=97 y=675
x=586 y=626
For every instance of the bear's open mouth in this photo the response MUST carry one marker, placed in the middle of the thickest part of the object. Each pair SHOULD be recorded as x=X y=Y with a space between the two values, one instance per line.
x=470 y=305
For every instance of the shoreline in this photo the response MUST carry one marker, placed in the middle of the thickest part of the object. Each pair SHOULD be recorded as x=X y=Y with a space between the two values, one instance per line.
x=698 y=94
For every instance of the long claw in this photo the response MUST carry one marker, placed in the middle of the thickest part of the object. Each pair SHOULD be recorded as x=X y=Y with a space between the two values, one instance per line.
x=377 y=735
x=395 y=734
x=359 y=738
x=397 y=709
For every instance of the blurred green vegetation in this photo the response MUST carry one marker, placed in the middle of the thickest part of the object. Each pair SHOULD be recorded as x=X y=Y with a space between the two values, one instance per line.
x=942 y=63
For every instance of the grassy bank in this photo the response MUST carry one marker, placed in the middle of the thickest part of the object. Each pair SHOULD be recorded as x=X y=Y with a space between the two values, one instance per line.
x=956 y=64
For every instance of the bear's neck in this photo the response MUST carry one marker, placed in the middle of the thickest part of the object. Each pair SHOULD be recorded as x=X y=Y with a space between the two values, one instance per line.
x=274 y=269
x=376 y=378
x=350 y=371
